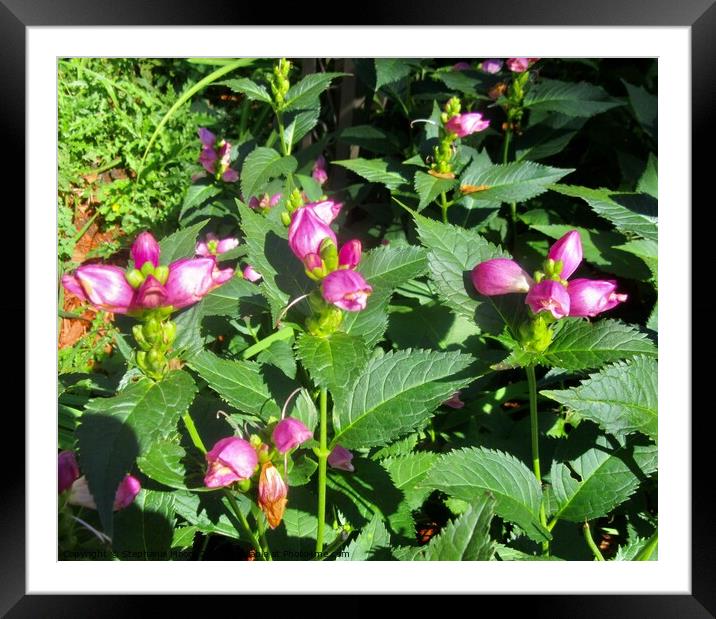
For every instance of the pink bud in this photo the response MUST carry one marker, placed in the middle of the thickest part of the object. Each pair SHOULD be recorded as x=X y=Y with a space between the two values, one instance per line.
x=319 y=173
x=191 y=279
x=346 y=289
x=272 y=494
x=275 y=199
x=350 y=254
x=520 y=65
x=461 y=66
x=313 y=261
x=208 y=158
x=549 y=296
x=230 y=176
x=326 y=210
x=67 y=470
x=454 y=401
x=151 y=294
x=289 y=433
x=207 y=137
x=231 y=459
x=491 y=65
x=340 y=458
x=589 y=297
x=103 y=285
x=307 y=231
x=466 y=124
x=224 y=153
x=213 y=246
x=145 y=249
x=251 y=274
x=254 y=202
x=500 y=276
x=568 y=250
x=126 y=493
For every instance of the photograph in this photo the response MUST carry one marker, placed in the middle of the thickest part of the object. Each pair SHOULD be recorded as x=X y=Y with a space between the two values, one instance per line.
x=357 y=309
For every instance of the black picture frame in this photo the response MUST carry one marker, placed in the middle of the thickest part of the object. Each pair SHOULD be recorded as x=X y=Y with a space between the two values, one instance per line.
x=699 y=15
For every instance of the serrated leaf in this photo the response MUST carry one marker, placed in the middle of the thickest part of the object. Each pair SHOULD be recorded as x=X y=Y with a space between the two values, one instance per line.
x=298 y=124
x=196 y=195
x=115 y=431
x=649 y=180
x=621 y=399
x=408 y=471
x=144 y=530
x=333 y=361
x=645 y=249
x=370 y=138
x=468 y=472
x=383 y=171
x=452 y=254
x=633 y=550
x=252 y=90
x=429 y=187
x=184 y=537
x=372 y=543
x=239 y=383
x=628 y=212
x=608 y=471
x=280 y=355
x=395 y=393
x=209 y=512
x=390 y=70
x=505 y=553
x=305 y=94
x=573 y=99
x=181 y=244
x=225 y=300
x=653 y=321
x=512 y=182
x=166 y=462
x=260 y=166
x=645 y=108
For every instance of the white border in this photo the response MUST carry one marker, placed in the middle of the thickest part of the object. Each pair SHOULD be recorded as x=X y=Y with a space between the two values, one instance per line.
x=671 y=574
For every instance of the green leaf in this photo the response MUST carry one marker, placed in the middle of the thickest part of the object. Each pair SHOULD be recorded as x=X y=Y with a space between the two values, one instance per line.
x=505 y=553
x=633 y=550
x=144 y=530
x=115 y=431
x=239 y=383
x=573 y=99
x=280 y=355
x=225 y=300
x=645 y=249
x=390 y=70
x=653 y=321
x=628 y=212
x=181 y=244
x=383 y=171
x=209 y=512
x=334 y=361
x=649 y=181
x=298 y=124
x=511 y=182
x=467 y=472
x=592 y=474
x=196 y=195
x=430 y=187
x=453 y=253
x=166 y=462
x=184 y=537
x=407 y=472
x=395 y=393
x=372 y=543
x=467 y=538
x=260 y=166
x=622 y=398
x=252 y=90
x=370 y=138
x=305 y=94
x=645 y=108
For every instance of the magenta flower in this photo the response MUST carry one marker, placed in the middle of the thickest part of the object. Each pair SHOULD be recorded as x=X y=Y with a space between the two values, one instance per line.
x=520 y=65
x=568 y=251
x=145 y=249
x=350 y=254
x=215 y=156
x=500 y=276
x=319 y=173
x=454 y=401
x=213 y=246
x=340 y=458
x=272 y=494
x=103 y=285
x=265 y=202
x=67 y=470
x=127 y=491
x=326 y=210
x=491 y=65
x=466 y=124
x=191 y=279
x=231 y=459
x=461 y=66
x=289 y=433
x=307 y=231
x=589 y=297
x=346 y=289
x=550 y=296
x=251 y=274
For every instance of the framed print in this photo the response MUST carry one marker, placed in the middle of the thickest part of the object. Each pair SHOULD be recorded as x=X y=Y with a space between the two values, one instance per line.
x=380 y=294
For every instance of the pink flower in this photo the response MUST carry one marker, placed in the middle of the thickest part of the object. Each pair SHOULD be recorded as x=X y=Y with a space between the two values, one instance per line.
x=231 y=459
x=340 y=458
x=454 y=401
x=491 y=65
x=520 y=65
x=319 y=173
x=466 y=124
x=307 y=231
x=272 y=494
x=500 y=276
x=568 y=251
x=127 y=491
x=213 y=246
x=206 y=137
x=289 y=433
x=346 y=289
x=145 y=249
x=266 y=202
x=461 y=66
x=251 y=274
x=103 y=285
x=326 y=210
x=215 y=156
x=67 y=470
x=191 y=279
x=350 y=254
x=589 y=297
x=550 y=296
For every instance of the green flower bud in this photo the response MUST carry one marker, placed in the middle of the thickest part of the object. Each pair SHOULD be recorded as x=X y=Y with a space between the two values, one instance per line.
x=285 y=219
x=169 y=332
x=135 y=278
x=329 y=254
x=244 y=485
x=162 y=274
x=138 y=332
x=147 y=269
x=536 y=335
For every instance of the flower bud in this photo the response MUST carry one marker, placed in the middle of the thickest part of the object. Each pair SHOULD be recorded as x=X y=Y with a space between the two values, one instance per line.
x=134 y=277
x=272 y=494
x=251 y=274
x=329 y=254
x=319 y=173
x=520 y=65
x=289 y=433
x=126 y=493
x=491 y=65
x=500 y=276
x=307 y=232
x=466 y=124
x=350 y=254
x=231 y=459
x=454 y=401
x=104 y=286
x=67 y=470
x=568 y=251
x=326 y=210
x=340 y=458
x=589 y=297
x=347 y=290
x=549 y=296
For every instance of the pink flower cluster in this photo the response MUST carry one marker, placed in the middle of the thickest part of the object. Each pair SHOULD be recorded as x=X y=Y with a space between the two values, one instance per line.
x=311 y=239
x=466 y=124
x=520 y=65
x=550 y=291
x=148 y=285
x=215 y=156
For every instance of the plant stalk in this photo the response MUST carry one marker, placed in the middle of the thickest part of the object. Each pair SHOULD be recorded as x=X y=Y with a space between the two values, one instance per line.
x=534 y=432
x=590 y=542
x=322 y=466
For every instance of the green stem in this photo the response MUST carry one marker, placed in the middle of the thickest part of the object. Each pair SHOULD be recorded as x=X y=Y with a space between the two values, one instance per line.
x=245 y=524
x=506 y=146
x=193 y=434
x=534 y=432
x=505 y=159
x=322 y=462
x=444 y=205
x=203 y=546
x=262 y=538
x=590 y=542
x=285 y=148
x=281 y=334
